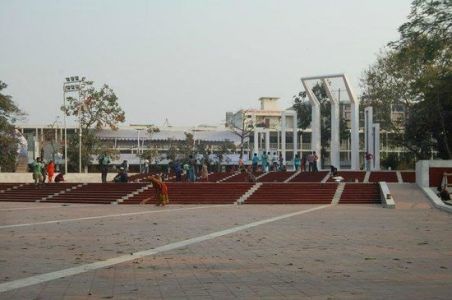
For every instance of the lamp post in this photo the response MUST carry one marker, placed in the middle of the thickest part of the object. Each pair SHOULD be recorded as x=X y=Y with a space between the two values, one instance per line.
x=139 y=146
x=72 y=84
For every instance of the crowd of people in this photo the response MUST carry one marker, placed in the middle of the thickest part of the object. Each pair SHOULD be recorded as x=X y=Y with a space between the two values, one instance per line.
x=45 y=171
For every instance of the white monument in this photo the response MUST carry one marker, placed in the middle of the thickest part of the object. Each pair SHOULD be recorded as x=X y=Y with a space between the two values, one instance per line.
x=315 y=123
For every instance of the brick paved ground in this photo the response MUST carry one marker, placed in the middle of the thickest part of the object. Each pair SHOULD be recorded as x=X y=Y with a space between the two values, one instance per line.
x=339 y=252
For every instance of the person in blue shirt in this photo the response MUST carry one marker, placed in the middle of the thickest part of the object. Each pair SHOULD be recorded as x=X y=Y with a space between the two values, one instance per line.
x=255 y=162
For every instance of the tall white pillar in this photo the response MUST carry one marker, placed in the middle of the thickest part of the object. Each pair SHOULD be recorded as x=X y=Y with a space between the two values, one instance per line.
x=256 y=142
x=283 y=135
x=334 y=143
x=267 y=140
x=355 y=125
x=376 y=134
x=315 y=121
x=368 y=135
x=295 y=133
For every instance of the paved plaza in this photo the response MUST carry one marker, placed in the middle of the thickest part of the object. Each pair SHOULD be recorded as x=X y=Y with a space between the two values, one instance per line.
x=54 y=251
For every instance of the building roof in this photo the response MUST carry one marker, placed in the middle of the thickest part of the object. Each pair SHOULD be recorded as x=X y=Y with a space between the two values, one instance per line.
x=131 y=134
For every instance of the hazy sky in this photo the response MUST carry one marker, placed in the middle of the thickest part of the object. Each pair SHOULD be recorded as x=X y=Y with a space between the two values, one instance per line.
x=189 y=61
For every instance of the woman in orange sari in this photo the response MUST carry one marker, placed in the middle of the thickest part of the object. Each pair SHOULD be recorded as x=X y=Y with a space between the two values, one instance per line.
x=50 y=170
x=161 y=190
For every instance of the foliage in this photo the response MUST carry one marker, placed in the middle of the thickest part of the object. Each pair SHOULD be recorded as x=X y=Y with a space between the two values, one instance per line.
x=416 y=71
x=95 y=110
x=150 y=154
x=8 y=140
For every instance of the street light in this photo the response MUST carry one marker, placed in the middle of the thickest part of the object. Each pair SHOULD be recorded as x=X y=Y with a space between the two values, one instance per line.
x=72 y=84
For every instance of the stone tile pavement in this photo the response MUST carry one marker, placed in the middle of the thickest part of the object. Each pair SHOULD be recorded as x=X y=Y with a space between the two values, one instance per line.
x=339 y=252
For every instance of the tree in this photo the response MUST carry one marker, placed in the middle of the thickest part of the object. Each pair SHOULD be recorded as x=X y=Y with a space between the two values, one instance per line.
x=8 y=139
x=416 y=71
x=95 y=109
x=243 y=130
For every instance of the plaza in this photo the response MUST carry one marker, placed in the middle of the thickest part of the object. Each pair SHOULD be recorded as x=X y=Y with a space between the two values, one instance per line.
x=227 y=251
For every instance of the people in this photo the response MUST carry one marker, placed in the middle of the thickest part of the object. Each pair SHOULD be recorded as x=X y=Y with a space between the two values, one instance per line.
x=59 y=177
x=250 y=176
x=37 y=167
x=146 y=166
x=255 y=162
x=178 y=170
x=316 y=159
x=122 y=176
x=204 y=172
x=50 y=170
x=444 y=194
x=104 y=162
x=265 y=161
x=125 y=165
x=369 y=158
x=161 y=190
x=333 y=171
x=43 y=171
x=297 y=162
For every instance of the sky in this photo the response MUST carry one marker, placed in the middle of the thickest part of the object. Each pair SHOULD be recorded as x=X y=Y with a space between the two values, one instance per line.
x=186 y=61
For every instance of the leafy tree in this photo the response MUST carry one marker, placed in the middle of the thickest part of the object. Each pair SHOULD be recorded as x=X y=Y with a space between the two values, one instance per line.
x=416 y=71
x=95 y=109
x=8 y=139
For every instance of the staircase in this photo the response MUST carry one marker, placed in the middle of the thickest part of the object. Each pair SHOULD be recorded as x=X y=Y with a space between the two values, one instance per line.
x=310 y=176
x=293 y=193
x=31 y=193
x=387 y=176
x=275 y=176
x=360 y=193
x=197 y=193
x=350 y=176
x=98 y=193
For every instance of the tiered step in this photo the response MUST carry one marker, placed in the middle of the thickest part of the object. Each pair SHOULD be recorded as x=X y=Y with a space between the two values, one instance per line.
x=350 y=176
x=309 y=176
x=293 y=193
x=360 y=193
x=30 y=193
x=99 y=193
x=408 y=176
x=241 y=177
x=201 y=193
x=388 y=176
x=5 y=186
x=275 y=177
x=214 y=177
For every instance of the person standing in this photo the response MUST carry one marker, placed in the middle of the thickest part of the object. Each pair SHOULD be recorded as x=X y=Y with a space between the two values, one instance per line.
x=146 y=166
x=204 y=172
x=104 y=162
x=255 y=162
x=369 y=158
x=178 y=170
x=265 y=161
x=297 y=162
x=310 y=160
x=50 y=170
x=44 y=171
x=316 y=159
x=37 y=167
